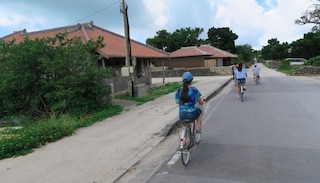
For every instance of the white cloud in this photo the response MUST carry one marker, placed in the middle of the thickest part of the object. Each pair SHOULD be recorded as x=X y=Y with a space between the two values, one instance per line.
x=279 y=22
x=211 y=3
x=10 y=19
x=13 y=20
x=254 y=21
x=157 y=9
x=254 y=25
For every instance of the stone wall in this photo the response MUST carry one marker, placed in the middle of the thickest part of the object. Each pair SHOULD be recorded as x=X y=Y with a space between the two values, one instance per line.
x=199 y=71
x=306 y=70
x=272 y=64
x=140 y=90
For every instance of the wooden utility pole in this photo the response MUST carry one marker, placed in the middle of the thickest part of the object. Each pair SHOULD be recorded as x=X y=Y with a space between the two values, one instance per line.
x=124 y=9
x=129 y=67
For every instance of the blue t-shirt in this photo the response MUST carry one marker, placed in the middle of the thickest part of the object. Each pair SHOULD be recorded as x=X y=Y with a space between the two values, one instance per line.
x=190 y=106
x=240 y=75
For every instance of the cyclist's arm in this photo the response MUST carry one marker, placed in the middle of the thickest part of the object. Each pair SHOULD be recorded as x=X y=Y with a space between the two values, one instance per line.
x=177 y=97
x=201 y=100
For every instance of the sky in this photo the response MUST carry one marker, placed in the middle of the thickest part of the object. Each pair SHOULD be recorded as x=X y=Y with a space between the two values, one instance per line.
x=254 y=21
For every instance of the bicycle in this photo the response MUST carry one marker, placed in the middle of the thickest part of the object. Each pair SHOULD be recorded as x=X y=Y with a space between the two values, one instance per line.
x=235 y=80
x=241 y=83
x=188 y=137
x=257 y=80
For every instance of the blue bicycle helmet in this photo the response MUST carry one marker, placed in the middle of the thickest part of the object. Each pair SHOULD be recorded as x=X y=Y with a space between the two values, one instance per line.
x=187 y=77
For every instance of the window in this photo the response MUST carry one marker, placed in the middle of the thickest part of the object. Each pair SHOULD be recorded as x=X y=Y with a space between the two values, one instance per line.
x=140 y=67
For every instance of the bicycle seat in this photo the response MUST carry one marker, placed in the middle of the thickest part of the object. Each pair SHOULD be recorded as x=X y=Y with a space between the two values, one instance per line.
x=186 y=120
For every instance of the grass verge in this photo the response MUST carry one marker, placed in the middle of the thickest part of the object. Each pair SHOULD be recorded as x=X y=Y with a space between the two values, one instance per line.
x=15 y=141
x=285 y=67
x=22 y=138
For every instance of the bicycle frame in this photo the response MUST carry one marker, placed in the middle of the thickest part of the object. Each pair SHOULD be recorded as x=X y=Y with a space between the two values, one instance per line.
x=257 y=80
x=241 y=90
x=188 y=126
x=186 y=138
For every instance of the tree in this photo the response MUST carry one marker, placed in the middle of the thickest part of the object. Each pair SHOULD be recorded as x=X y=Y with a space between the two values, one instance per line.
x=51 y=75
x=311 y=16
x=279 y=51
x=266 y=50
x=222 y=38
x=186 y=37
x=245 y=53
x=274 y=50
x=173 y=41
x=161 y=40
x=307 y=47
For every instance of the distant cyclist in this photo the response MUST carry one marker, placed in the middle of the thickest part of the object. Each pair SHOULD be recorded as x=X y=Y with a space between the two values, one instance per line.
x=233 y=68
x=256 y=71
x=187 y=97
x=240 y=75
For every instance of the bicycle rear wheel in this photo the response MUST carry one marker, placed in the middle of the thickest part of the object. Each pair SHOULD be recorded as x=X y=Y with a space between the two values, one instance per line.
x=241 y=93
x=185 y=153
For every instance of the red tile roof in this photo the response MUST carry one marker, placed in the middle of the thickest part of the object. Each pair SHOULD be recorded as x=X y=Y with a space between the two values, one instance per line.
x=216 y=52
x=203 y=50
x=114 y=43
x=189 y=52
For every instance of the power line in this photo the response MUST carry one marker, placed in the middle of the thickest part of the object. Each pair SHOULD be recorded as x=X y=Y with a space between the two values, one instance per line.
x=96 y=12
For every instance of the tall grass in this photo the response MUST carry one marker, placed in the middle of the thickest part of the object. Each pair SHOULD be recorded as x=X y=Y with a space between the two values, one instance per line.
x=22 y=140
x=285 y=67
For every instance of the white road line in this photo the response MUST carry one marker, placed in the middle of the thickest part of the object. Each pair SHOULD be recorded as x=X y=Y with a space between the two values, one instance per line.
x=210 y=114
x=174 y=159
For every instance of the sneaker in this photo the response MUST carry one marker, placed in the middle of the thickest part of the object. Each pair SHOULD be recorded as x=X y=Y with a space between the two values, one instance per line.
x=238 y=96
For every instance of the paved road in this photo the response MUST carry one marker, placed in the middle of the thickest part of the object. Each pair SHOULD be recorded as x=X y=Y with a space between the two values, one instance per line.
x=273 y=136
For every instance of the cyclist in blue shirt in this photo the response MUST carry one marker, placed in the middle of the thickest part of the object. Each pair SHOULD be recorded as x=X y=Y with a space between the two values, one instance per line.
x=240 y=75
x=187 y=97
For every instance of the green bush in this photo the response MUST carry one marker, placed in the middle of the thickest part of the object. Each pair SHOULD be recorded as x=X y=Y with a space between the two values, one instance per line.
x=285 y=67
x=51 y=75
x=313 y=61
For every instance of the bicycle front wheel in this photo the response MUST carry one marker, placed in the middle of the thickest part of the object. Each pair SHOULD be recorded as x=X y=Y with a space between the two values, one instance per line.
x=185 y=153
x=241 y=95
x=185 y=156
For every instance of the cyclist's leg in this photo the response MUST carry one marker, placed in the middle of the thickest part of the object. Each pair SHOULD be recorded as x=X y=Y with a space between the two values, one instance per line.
x=199 y=121
x=238 y=87
x=244 y=84
x=198 y=114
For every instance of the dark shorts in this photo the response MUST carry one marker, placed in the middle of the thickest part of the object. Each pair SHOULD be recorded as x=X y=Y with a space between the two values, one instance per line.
x=190 y=115
x=242 y=80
